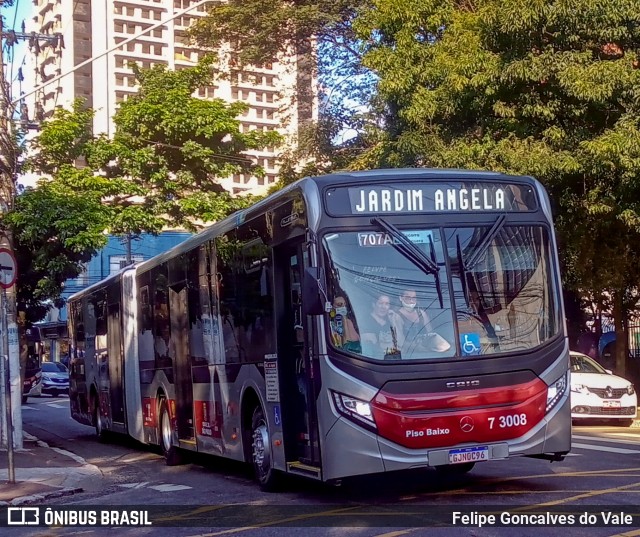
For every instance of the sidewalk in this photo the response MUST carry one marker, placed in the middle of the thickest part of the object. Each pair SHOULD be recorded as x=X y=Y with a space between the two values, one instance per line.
x=42 y=472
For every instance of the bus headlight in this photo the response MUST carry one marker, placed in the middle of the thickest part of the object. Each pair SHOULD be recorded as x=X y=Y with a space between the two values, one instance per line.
x=556 y=391
x=355 y=409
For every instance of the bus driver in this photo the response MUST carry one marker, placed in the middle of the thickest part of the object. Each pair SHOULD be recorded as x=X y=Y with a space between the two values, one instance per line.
x=415 y=333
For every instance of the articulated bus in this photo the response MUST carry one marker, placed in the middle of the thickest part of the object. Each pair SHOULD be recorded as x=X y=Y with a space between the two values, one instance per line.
x=271 y=337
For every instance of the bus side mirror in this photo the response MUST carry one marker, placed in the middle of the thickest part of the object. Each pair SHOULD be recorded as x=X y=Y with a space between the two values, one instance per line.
x=313 y=292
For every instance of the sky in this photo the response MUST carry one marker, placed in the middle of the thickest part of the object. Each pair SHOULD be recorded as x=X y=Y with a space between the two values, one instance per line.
x=13 y=17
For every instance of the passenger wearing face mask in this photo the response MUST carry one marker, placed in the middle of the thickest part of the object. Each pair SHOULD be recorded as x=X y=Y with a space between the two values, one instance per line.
x=343 y=330
x=415 y=333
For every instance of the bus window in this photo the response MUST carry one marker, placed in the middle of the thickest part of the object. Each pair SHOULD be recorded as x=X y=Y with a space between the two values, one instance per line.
x=372 y=270
x=501 y=288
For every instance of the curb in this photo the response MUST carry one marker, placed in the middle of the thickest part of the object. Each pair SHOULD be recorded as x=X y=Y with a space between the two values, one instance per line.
x=55 y=493
x=24 y=500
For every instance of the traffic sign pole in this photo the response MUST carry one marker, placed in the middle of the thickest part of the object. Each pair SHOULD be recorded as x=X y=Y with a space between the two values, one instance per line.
x=7 y=389
x=8 y=274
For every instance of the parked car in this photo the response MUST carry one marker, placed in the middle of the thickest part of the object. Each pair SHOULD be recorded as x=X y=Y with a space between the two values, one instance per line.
x=597 y=393
x=32 y=383
x=55 y=378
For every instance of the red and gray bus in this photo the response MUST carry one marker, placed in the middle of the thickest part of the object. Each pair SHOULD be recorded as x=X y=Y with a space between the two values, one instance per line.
x=271 y=336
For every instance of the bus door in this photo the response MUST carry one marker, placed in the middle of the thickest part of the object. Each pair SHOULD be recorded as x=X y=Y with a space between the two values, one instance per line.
x=115 y=365
x=298 y=387
x=179 y=316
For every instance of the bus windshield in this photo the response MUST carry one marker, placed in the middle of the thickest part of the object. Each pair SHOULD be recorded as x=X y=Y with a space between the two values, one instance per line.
x=391 y=291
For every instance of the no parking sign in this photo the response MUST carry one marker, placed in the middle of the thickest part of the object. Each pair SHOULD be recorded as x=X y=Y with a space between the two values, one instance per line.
x=8 y=268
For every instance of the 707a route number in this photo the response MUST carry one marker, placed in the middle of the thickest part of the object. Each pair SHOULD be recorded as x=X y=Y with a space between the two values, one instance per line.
x=510 y=420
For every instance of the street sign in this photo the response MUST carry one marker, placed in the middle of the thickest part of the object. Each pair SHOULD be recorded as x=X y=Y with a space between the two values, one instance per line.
x=8 y=269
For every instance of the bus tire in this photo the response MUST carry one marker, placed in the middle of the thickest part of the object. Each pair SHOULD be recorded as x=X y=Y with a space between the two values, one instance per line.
x=266 y=476
x=101 y=433
x=170 y=452
x=455 y=469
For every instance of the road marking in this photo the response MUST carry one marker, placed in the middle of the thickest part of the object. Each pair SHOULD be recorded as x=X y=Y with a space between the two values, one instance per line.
x=607 y=439
x=604 y=448
x=27 y=407
x=294 y=518
x=396 y=533
x=54 y=405
x=632 y=533
x=168 y=487
x=591 y=494
x=134 y=485
x=163 y=487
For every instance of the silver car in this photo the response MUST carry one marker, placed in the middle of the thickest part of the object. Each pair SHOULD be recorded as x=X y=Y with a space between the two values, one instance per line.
x=55 y=378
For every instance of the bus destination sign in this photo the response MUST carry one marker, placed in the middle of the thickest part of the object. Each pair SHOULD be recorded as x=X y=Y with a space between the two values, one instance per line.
x=430 y=198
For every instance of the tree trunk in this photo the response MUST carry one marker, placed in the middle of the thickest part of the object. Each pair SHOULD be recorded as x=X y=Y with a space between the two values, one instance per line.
x=621 y=335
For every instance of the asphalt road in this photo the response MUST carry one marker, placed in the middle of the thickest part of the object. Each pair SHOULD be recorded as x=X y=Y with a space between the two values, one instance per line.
x=600 y=479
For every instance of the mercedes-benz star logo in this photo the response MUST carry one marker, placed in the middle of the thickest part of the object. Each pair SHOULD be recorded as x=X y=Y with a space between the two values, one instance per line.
x=466 y=424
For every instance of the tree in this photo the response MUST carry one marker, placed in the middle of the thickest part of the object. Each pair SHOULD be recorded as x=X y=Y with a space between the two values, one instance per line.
x=172 y=149
x=55 y=232
x=160 y=169
x=318 y=37
x=546 y=87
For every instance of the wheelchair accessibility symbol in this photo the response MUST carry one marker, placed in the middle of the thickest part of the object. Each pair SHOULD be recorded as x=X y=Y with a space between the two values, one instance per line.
x=470 y=344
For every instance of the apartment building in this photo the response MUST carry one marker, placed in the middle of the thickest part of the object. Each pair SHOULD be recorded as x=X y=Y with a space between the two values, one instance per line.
x=280 y=94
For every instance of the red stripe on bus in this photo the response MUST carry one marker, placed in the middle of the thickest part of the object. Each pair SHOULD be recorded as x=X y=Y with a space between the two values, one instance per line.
x=437 y=425
x=470 y=398
x=149 y=417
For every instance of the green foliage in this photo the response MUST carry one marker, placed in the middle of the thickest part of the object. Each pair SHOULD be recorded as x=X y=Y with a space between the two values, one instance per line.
x=161 y=169
x=548 y=88
x=54 y=231
x=261 y=30
x=62 y=140
x=172 y=148
x=321 y=34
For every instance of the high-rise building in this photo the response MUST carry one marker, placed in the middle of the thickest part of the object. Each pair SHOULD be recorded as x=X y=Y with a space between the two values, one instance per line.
x=279 y=94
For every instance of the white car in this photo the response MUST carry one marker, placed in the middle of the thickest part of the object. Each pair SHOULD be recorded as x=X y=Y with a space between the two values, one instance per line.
x=598 y=393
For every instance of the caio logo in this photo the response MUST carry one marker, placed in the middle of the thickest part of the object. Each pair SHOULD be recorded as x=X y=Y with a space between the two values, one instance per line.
x=461 y=384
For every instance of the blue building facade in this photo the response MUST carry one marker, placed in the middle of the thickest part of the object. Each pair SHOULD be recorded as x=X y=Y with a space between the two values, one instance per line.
x=114 y=256
x=48 y=339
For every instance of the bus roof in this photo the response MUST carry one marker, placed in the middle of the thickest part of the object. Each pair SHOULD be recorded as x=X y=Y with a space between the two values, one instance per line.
x=369 y=176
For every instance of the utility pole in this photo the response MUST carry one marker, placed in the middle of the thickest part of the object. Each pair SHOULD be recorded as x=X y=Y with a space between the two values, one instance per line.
x=11 y=381
x=11 y=389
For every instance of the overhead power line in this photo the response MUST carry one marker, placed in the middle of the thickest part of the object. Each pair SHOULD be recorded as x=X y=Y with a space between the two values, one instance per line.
x=112 y=49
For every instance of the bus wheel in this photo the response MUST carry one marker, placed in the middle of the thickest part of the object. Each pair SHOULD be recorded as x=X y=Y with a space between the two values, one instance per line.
x=455 y=469
x=165 y=436
x=265 y=474
x=97 y=422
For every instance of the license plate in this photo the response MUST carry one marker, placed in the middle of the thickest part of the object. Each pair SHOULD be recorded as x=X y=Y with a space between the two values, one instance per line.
x=473 y=454
x=611 y=404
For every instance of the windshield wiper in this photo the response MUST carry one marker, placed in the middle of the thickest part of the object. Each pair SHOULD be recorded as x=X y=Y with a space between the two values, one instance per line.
x=465 y=266
x=412 y=252
x=483 y=245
